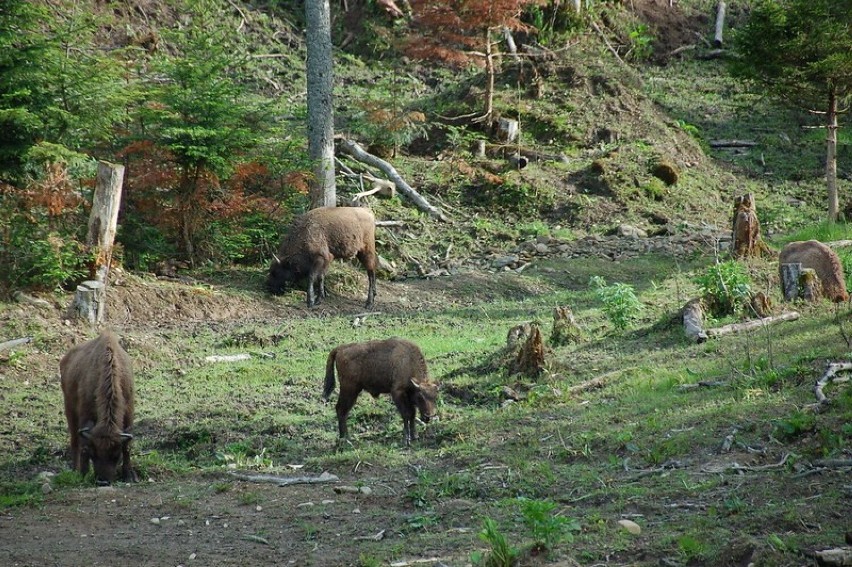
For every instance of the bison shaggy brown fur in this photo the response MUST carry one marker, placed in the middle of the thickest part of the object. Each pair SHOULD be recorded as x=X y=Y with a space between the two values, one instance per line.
x=318 y=237
x=823 y=260
x=97 y=384
x=392 y=366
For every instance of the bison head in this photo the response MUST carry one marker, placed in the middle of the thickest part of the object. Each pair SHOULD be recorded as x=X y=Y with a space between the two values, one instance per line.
x=281 y=276
x=105 y=451
x=425 y=396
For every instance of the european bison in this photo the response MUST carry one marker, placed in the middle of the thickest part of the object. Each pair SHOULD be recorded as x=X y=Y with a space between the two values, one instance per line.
x=318 y=237
x=97 y=384
x=823 y=260
x=393 y=366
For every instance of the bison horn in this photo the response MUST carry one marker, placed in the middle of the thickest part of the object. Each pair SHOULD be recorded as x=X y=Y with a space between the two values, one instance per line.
x=127 y=436
x=277 y=259
x=84 y=433
x=416 y=385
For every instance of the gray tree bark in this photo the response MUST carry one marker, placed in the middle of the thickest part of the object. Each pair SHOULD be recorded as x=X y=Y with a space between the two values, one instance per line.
x=831 y=158
x=103 y=220
x=320 y=110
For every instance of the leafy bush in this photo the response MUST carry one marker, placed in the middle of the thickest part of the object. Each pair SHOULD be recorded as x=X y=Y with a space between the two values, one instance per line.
x=547 y=530
x=725 y=287
x=620 y=303
x=501 y=553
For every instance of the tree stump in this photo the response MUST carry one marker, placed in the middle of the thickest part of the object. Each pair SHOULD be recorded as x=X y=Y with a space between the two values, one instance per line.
x=506 y=130
x=90 y=302
x=761 y=304
x=790 y=280
x=517 y=335
x=530 y=358
x=693 y=320
x=103 y=220
x=809 y=285
x=565 y=328
x=745 y=240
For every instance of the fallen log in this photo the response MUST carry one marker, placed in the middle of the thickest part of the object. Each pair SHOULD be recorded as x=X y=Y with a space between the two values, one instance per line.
x=227 y=357
x=286 y=480
x=732 y=144
x=354 y=150
x=15 y=342
x=750 y=325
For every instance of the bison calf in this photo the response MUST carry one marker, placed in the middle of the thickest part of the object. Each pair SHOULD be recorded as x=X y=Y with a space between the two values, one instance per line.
x=392 y=366
x=97 y=384
x=318 y=237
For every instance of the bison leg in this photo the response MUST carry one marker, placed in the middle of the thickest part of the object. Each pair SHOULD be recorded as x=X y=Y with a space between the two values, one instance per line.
x=127 y=474
x=317 y=274
x=406 y=410
x=345 y=401
x=371 y=289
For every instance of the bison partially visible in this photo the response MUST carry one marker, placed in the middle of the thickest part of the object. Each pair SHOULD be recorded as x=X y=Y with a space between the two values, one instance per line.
x=318 y=237
x=97 y=384
x=392 y=366
x=823 y=260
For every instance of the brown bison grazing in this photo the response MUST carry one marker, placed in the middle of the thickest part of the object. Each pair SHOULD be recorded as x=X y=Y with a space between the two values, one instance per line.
x=823 y=260
x=97 y=383
x=392 y=366
x=318 y=237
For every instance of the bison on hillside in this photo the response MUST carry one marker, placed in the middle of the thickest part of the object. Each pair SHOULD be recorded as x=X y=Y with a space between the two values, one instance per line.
x=392 y=366
x=97 y=384
x=318 y=237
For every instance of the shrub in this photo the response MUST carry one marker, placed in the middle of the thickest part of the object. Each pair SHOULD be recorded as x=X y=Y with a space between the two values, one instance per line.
x=725 y=287
x=547 y=529
x=620 y=303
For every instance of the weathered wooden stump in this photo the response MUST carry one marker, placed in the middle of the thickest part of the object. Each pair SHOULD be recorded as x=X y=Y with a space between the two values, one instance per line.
x=693 y=320
x=761 y=304
x=565 y=328
x=810 y=285
x=530 y=358
x=790 y=280
x=90 y=302
x=745 y=239
x=103 y=219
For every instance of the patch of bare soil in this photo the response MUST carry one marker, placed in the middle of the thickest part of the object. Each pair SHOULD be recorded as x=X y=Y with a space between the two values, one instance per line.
x=671 y=26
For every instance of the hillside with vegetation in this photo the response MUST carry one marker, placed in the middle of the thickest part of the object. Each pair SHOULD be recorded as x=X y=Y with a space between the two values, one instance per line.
x=617 y=440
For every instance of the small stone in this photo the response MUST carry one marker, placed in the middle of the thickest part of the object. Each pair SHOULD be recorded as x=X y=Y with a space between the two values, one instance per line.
x=630 y=526
x=258 y=508
x=155 y=521
x=45 y=476
x=46 y=488
x=366 y=490
x=192 y=556
x=356 y=511
x=326 y=502
x=503 y=261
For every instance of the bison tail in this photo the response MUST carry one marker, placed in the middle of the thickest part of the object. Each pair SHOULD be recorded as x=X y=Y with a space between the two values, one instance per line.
x=329 y=375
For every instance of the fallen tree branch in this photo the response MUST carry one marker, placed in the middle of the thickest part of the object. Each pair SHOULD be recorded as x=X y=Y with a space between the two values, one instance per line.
x=750 y=325
x=286 y=480
x=829 y=375
x=227 y=357
x=15 y=342
x=732 y=144
x=703 y=384
x=352 y=148
x=740 y=468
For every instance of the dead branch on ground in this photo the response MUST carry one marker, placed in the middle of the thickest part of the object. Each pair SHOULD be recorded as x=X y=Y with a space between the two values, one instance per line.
x=285 y=480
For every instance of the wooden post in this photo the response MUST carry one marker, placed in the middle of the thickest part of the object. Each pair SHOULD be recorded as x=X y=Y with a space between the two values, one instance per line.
x=103 y=219
x=720 y=24
x=90 y=302
x=790 y=280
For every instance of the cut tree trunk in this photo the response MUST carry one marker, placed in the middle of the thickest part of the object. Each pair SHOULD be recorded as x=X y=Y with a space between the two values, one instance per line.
x=693 y=321
x=352 y=148
x=103 y=219
x=90 y=302
x=810 y=285
x=720 y=24
x=745 y=239
x=530 y=358
x=790 y=280
x=565 y=328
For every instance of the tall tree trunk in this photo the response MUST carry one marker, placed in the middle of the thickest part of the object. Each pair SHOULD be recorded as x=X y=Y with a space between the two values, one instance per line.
x=489 y=76
x=831 y=156
x=103 y=219
x=320 y=111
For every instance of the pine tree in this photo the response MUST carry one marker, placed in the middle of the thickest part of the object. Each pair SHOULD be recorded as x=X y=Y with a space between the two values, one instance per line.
x=801 y=50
